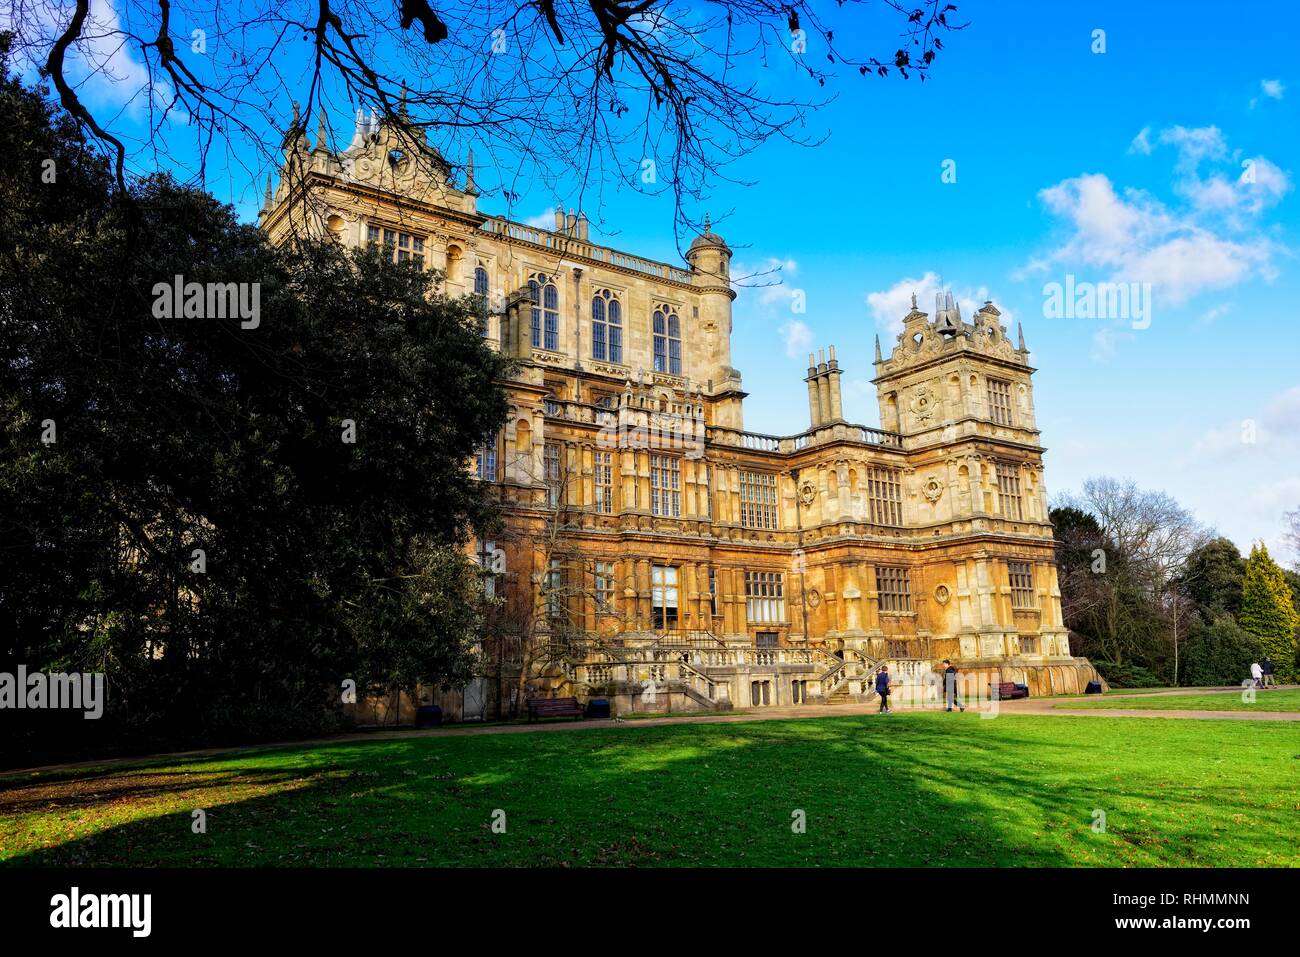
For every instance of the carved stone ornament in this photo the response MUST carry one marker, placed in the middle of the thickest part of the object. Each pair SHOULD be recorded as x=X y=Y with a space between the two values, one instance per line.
x=942 y=594
x=924 y=403
x=807 y=493
x=932 y=489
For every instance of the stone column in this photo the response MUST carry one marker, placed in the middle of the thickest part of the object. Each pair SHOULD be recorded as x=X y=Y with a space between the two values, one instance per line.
x=815 y=415
x=643 y=594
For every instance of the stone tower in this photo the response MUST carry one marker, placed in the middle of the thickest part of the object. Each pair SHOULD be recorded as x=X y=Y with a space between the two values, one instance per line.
x=960 y=395
x=710 y=261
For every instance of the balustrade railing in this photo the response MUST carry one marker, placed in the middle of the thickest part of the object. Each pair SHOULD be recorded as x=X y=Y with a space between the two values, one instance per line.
x=574 y=246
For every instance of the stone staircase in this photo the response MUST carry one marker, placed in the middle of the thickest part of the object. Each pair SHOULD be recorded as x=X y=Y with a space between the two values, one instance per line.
x=837 y=683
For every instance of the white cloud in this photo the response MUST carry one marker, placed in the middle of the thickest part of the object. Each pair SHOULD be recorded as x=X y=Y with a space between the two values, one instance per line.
x=1216 y=312
x=543 y=220
x=769 y=281
x=889 y=306
x=798 y=338
x=1142 y=142
x=1273 y=89
x=1269 y=430
x=1211 y=243
x=1195 y=144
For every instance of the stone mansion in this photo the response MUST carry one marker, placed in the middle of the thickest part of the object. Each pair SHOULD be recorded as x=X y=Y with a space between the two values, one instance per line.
x=681 y=559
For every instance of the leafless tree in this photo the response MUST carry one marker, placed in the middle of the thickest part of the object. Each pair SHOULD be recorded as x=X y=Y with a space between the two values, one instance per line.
x=1292 y=534
x=546 y=618
x=1152 y=537
x=660 y=95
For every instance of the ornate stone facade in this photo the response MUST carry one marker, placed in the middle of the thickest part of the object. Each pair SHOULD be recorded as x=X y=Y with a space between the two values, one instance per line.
x=724 y=566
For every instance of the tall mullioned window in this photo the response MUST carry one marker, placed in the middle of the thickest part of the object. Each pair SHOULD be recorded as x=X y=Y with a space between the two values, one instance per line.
x=667 y=341
x=605 y=586
x=758 y=500
x=546 y=312
x=884 y=496
x=481 y=290
x=663 y=597
x=1000 y=401
x=894 y=588
x=1021 y=578
x=765 y=596
x=555 y=589
x=1009 y=489
x=665 y=486
x=606 y=327
x=603 y=482
x=713 y=591
x=551 y=465
x=485 y=462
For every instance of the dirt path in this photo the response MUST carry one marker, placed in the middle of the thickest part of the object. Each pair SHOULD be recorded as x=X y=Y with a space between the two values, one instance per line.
x=1037 y=706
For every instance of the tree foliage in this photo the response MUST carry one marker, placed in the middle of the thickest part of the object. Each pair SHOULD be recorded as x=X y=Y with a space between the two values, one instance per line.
x=1219 y=653
x=180 y=507
x=1267 y=612
x=1144 y=586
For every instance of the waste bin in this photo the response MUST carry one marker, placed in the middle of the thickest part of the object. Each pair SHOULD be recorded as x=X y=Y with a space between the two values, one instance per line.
x=428 y=716
x=598 y=708
x=1094 y=687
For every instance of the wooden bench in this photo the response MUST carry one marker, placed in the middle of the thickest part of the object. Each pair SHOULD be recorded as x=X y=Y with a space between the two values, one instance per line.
x=553 y=708
x=1009 y=689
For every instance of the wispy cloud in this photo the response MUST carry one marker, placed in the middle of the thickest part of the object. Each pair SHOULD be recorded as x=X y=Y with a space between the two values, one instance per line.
x=798 y=338
x=1268 y=430
x=887 y=307
x=1213 y=240
x=1272 y=89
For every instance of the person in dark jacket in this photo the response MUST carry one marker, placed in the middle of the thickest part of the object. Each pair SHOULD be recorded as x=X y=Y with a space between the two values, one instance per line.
x=1266 y=666
x=882 y=689
x=950 y=687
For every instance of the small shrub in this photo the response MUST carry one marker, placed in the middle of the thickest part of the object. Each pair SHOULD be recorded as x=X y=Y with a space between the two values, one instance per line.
x=1127 y=676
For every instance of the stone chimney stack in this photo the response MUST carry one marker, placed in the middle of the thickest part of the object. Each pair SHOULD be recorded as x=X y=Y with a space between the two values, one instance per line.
x=824 y=401
x=814 y=397
x=833 y=387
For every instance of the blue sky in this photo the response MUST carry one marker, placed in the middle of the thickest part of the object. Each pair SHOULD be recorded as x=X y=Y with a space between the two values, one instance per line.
x=1120 y=165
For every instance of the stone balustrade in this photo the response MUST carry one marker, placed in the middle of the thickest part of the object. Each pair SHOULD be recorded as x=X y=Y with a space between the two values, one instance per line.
x=574 y=248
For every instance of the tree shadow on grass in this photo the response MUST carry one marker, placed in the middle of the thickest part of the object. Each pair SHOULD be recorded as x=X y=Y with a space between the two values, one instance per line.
x=848 y=791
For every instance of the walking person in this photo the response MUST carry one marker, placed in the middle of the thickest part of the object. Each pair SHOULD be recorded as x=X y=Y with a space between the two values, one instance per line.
x=1266 y=666
x=882 y=689
x=1257 y=674
x=950 y=687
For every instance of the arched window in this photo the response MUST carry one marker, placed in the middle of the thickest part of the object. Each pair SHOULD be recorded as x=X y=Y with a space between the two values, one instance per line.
x=481 y=290
x=667 y=341
x=606 y=327
x=615 y=331
x=546 y=312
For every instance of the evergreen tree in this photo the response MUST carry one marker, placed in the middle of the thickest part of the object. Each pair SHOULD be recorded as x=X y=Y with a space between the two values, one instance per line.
x=1218 y=654
x=229 y=521
x=1267 y=611
x=1213 y=576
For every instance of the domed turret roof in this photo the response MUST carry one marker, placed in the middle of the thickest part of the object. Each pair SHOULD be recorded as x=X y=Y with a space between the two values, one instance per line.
x=708 y=237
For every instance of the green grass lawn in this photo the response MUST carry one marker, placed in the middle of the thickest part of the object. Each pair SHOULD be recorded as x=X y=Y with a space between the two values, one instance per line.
x=1114 y=690
x=1288 y=700
x=914 y=789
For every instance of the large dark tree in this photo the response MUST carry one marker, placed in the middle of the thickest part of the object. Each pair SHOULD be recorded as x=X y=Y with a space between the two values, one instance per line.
x=1213 y=576
x=227 y=519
